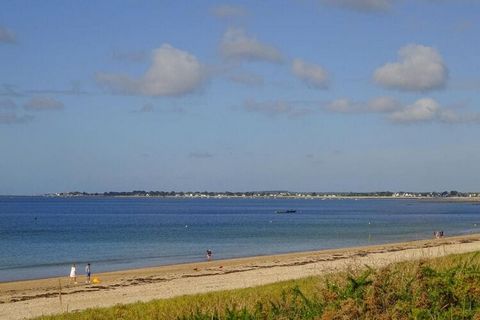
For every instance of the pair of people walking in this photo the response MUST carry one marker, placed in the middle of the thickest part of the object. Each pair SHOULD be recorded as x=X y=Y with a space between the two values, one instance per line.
x=438 y=234
x=73 y=273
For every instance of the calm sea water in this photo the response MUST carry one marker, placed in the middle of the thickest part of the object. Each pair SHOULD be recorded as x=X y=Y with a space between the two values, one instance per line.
x=41 y=237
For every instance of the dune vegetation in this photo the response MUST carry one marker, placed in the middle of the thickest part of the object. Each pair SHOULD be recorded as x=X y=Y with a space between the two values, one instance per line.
x=441 y=288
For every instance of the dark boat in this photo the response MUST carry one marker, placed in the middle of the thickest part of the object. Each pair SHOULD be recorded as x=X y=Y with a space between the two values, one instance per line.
x=285 y=211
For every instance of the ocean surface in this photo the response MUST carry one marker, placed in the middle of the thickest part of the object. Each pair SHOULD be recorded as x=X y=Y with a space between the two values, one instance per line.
x=42 y=237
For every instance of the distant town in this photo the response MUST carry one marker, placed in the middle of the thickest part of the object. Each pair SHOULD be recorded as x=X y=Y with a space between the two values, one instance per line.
x=270 y=194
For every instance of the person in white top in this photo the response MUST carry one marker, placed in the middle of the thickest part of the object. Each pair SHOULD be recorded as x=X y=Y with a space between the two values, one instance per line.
x=73 y=274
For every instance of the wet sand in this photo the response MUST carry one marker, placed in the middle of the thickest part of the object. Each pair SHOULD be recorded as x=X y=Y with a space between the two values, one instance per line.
x=26 y=299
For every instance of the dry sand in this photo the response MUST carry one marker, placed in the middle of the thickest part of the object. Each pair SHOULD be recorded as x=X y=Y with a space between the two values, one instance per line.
x=26 y=299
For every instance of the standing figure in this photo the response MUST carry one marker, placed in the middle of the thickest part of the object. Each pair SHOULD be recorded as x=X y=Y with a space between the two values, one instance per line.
x=87 y=272
x=73 y=274
x=209 y=254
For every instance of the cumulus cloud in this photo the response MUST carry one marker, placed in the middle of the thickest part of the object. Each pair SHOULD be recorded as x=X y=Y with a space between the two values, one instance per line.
x=173 y=72
x=361 y=5
x=420 y=68
x=427 y=109
x=43 y=103
x=248 y=79
x=383 y=104
x=13 y=118
x=424 y=110
x=7 y=36
x=376 y=105
x=228 y=11
x=313 y=75
x=421 y=111
x=238 y=45
x=275 y=108
x=342 y=105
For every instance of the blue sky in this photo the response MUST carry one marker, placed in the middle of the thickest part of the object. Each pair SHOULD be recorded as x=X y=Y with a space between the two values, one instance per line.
x=325 y=95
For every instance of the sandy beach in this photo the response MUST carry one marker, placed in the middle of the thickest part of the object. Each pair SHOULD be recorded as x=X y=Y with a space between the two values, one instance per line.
x=26 y=299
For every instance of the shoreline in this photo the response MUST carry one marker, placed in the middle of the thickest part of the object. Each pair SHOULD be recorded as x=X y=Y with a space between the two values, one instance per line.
x=30 y=298
x=178 y=265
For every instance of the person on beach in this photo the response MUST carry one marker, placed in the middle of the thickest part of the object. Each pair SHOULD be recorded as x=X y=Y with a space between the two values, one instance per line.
x=73 y=274
x=87 y=272
x=209 y=254
x=438 y=234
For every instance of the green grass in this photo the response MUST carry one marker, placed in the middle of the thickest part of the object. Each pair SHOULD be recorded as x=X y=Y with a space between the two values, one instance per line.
x=442 y=288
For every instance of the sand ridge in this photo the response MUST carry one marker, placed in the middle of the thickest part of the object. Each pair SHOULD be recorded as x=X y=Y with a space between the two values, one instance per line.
x=26 y=299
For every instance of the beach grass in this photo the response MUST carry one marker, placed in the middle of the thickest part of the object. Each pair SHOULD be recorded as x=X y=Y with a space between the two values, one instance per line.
x=440 y=288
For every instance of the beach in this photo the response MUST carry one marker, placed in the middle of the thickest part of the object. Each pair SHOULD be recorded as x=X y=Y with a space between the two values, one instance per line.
x=31 y=298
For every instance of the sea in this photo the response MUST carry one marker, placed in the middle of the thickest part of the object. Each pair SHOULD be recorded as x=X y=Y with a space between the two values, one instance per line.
x=42 y=236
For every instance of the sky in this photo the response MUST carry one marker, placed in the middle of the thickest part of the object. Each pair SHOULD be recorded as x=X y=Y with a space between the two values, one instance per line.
x=299 y=95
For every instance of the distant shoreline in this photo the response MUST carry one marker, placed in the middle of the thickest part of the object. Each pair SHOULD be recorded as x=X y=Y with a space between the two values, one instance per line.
x=453 y=195
x=281 y=197
x=31 y=298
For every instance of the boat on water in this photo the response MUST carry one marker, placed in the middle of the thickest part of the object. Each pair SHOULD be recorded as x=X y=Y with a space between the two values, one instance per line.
x=286 y=211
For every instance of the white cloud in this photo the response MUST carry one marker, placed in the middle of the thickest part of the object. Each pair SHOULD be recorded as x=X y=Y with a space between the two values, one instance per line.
x=342 y=105
x=173 y=72
x=313 y=75
x=228 y=11
x=420 y=68
x=383 y=104
x=7 y=36
x=275 y=108
x=376 y=105
x=421 y=111
x=361 y=5
x=237 y=45
x=40 y=103
x=427 y=109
